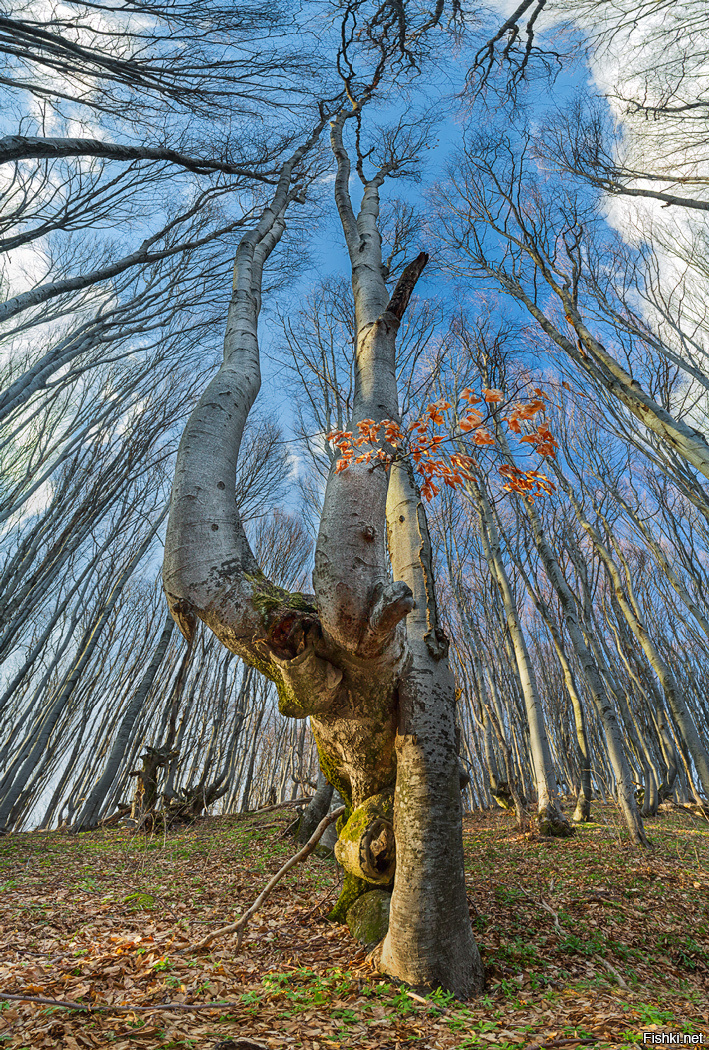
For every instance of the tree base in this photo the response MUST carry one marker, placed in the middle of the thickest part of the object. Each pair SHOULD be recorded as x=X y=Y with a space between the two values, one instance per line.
x=352 y=889
x=368 y=917
x=554 y=824
x=582 y=813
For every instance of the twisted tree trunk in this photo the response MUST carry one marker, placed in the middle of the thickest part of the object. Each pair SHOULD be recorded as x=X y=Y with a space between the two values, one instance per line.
x=380 y=696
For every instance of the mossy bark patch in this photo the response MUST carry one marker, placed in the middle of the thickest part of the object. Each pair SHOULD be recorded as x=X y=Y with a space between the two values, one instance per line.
x=366 y=846
x=381 y=805
x=352 y=889
x=552 y=825
x=368 y=917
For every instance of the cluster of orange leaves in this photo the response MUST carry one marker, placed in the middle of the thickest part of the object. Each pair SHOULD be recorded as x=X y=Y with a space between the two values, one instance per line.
x=425 y=446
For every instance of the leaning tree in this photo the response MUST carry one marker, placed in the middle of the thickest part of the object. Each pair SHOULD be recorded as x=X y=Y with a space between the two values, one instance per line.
x=364 y=656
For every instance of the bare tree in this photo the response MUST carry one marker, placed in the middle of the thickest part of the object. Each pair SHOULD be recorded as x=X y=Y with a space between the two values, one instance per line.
x=381 y=699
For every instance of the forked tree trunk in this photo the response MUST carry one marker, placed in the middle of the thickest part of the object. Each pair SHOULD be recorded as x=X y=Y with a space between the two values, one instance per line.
x=145 y=797
x=380 y=698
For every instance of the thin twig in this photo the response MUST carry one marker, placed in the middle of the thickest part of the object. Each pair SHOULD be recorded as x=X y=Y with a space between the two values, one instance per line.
x=319 y=904
x=441 y=1010
x=543 y=904
x=611 y=969
x=291 y=828
x=240 y=926
x=561 y=1042
x=68 y=1004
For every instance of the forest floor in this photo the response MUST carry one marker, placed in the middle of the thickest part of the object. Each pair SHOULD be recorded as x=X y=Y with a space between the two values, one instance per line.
x=110 y=918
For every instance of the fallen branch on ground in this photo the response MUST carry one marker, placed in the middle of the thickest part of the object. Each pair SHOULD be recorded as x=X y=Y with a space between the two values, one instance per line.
x=426 y=1002
x=239 y=926
x=560 y=1042
x=612 y=970
x=555 y=915
x=320 y=903
x=547 y=908
x=279 y=805
x=92 y=1008
x=290 y=829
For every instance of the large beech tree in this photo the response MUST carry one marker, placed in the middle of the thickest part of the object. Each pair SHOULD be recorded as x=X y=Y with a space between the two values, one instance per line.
x=364 y=656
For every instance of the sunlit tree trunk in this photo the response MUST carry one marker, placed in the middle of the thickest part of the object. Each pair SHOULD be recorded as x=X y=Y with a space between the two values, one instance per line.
x=601 y=700
x=381 y=703
x=429 y=933
x=551 y=820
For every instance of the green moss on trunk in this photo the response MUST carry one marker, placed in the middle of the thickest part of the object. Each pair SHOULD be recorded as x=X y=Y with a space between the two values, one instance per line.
x=381 y=805
x=368 y=917
x=333 y=777
x=352 y=889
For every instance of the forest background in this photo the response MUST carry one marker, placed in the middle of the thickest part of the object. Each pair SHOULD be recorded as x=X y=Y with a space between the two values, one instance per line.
x=551 y=167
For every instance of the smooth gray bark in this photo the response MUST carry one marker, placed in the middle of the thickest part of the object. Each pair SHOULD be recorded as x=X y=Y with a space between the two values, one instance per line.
x=551 y=819
x=631 y=613
x=601 y=700
x=316 y=809
x=381 y=703
x=430 y=937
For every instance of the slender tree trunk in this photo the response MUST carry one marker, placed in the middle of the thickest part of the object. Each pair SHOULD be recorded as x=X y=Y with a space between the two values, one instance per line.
x=245 y=798
x=601 y=700
x=316 y=809
x=92 y=806
x=71 y=681
x=582 y=811
x=630 y=611
x=551 y=819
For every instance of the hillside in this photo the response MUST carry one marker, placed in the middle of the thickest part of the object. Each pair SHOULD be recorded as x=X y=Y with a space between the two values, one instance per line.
x=585 y=941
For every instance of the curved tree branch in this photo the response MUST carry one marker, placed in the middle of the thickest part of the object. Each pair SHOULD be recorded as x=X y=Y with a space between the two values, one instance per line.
x=21 y=147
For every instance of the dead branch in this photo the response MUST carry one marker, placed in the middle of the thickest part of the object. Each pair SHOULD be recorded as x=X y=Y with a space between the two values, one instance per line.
x=319 y=904
x=279 y=805
x=547 y=908
x=240 y=926
x=440 y=1010
x=612 y=970
x=93 y=1008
